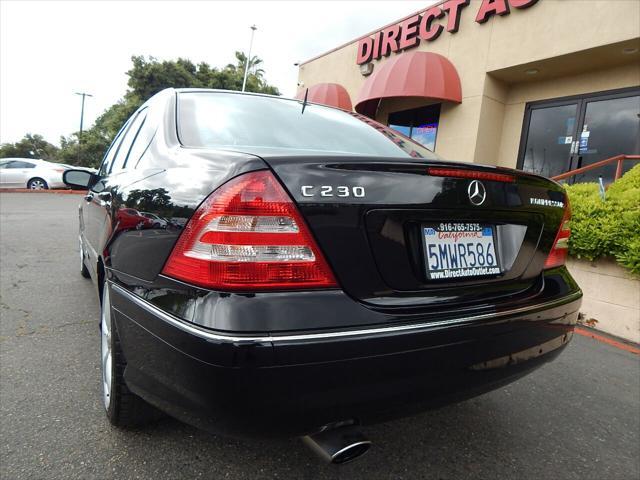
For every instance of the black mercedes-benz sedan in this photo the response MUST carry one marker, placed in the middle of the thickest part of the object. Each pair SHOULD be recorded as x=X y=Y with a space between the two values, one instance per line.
x=314 y=270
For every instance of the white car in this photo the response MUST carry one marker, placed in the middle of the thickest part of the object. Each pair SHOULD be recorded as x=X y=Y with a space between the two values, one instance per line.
x=158 y=221
x=30 y=173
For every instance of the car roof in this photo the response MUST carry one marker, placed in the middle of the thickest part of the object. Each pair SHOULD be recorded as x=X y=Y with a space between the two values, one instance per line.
x=248 y=94
x=232 y=92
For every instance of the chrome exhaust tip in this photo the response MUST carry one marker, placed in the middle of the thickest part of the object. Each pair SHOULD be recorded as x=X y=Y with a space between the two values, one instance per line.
x=338 y=445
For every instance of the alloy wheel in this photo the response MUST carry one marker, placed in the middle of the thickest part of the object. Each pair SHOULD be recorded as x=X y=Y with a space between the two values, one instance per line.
x=37 y=185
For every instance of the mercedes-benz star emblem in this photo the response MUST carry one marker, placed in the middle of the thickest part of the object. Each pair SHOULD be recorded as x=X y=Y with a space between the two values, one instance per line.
x=477 y=192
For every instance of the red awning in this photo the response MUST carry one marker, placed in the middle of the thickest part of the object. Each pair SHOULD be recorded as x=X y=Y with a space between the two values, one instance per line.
x=412 y=74
x=332 y=94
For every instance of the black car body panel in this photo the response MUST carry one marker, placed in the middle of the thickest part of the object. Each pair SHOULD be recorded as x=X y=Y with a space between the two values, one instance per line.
x=293 y=385
x=386 y=342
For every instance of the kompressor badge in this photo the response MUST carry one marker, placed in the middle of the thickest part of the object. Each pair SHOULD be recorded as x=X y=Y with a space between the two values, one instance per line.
x=543 y=202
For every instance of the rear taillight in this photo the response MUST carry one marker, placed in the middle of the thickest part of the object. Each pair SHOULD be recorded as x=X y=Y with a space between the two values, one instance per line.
x=248 y=235
x=558 y=254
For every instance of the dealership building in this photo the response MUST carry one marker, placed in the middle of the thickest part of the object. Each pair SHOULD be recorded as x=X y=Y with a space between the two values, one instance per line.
x=547 y=86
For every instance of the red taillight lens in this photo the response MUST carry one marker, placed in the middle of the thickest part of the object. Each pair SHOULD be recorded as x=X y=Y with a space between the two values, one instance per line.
x=560 y=249
x=473 y=174
x=248 y=235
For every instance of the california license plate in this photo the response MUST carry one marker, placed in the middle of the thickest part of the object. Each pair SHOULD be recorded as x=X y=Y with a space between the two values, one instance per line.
x=458 y=250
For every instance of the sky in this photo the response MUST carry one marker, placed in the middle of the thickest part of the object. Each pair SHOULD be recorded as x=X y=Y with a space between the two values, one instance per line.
x=51 y=49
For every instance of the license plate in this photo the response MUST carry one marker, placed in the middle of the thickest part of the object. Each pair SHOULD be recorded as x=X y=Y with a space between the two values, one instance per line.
x=458 y=250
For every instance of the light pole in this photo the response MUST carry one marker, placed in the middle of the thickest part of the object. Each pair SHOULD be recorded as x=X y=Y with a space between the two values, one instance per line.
x=248 y=59
x=83 y=95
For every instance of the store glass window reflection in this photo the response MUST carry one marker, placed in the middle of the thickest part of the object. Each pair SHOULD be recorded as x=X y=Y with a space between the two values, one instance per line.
x=419 y=124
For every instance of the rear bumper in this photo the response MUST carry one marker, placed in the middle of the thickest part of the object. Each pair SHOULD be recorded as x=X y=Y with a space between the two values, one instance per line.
x=293 y=384
x=54 y=180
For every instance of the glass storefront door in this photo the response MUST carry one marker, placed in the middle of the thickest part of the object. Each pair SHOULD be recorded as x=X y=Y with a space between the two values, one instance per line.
x=565 y=134
x=550 y=140
x=610 y=127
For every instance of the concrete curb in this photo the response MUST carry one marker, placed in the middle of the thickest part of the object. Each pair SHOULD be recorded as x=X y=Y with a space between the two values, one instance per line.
x=28 y=190
x=612 y=340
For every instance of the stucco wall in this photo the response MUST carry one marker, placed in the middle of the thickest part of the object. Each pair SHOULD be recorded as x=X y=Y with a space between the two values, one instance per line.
x=611 y=301
x=486 y=126
x=557 y=27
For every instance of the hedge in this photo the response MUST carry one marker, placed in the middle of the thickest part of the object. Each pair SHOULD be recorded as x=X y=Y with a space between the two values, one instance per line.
x=610 y=227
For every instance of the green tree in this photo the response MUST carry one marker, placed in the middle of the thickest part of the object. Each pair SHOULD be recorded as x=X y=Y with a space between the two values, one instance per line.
x=30 y=146
x=147 y=77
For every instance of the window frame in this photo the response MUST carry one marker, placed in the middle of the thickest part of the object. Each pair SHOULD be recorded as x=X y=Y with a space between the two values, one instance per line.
x=102 y=173
x=142 y=140
x=126 y=135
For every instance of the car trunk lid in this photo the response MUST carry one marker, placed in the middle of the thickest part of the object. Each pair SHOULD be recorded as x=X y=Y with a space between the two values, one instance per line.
x=370 y=215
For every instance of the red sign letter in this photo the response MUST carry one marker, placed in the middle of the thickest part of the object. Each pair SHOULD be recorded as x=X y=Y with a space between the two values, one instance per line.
x=453 y=7
x=408 y=31
x=365 y=50
x=429 y=32
x=491 y=7
x=376 y=45
x=522 y=3
x=390 y=40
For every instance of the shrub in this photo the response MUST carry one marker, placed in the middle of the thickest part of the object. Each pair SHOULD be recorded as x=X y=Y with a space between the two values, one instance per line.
x=610 y=227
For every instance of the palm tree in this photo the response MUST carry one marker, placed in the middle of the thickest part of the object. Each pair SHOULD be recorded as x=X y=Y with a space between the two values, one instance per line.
x=253 y=64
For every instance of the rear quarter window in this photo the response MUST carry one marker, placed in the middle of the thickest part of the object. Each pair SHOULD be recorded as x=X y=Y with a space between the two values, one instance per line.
x=128 y=140
x=108 y=159
x=20 y=164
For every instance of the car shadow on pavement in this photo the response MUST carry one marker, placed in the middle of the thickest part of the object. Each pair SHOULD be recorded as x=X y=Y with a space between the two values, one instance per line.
x=462 y=440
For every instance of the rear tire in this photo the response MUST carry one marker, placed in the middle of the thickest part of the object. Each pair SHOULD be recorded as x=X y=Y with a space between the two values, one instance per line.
x=124 y=409
x=37 y=184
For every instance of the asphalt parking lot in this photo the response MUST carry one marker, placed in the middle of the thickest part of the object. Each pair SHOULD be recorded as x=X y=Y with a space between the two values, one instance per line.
x=576 y=418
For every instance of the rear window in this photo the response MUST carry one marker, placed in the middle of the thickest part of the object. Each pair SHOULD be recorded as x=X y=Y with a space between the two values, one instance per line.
x=236 y=122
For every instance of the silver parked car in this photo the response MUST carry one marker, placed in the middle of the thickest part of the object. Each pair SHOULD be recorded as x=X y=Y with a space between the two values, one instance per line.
x=30 y=173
